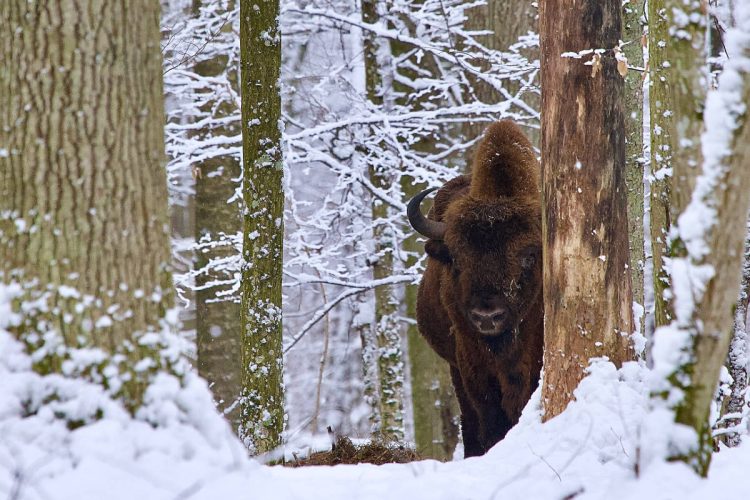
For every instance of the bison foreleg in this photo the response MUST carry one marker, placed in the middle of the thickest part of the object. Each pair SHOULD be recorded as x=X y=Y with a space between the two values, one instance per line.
x=469 y=420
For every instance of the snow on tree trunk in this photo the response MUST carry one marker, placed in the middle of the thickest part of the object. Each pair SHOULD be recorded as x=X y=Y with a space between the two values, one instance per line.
x=660 y=99
x=633 y=52
x=735 y=412
x=708 y=251
x=587 y=295
x=505 y=21
x=217 y=327
x=83 y=198
x=262 y=402
x=678 y=87
x=378 y=82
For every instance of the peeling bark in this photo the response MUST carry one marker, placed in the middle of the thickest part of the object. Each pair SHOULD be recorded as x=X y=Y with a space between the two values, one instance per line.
x=587 y=291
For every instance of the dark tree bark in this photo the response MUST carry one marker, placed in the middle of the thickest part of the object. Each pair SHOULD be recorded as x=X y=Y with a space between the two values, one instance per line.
x=587 y=291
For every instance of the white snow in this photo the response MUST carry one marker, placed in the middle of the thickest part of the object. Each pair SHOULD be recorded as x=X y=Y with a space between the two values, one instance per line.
x=177 y=446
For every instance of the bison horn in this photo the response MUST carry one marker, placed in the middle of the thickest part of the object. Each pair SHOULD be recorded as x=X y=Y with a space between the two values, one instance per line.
x=421 y=224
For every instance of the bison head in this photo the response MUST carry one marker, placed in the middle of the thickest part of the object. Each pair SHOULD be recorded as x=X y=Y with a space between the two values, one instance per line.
x=490 y=253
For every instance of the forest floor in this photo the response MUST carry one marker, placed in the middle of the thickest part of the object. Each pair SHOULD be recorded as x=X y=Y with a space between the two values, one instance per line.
x=607 y=444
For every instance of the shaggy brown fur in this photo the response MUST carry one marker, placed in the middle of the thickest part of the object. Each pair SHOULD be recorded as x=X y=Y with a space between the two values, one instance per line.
x=489 y=258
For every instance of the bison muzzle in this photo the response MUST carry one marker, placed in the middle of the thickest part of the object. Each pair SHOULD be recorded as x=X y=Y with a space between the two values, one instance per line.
x=480 y=300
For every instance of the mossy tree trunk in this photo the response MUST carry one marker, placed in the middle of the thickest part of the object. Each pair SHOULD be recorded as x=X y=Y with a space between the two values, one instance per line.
x=587 y=295
x=634 y=159
x=262 y=402
x=707 y=251
x=378 y=83
x=217 y=321
x=83 y=196
x=678 y=88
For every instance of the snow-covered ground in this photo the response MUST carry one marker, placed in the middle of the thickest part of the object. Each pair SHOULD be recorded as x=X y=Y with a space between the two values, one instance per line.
x=589 y=451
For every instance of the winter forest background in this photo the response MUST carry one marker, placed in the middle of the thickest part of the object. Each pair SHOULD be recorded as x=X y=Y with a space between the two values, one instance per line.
x=129 y=371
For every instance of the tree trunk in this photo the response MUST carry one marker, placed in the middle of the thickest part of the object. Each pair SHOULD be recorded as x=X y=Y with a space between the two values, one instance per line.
x=507 y=20
x=434 y=402
x=587 y=293
x=634 y=159
x=83 y=191
x=387 y=328
x=434 y=406
x=708 y=250
x=678 y=88
x=217 y=322
x=737 y=360
x=262 y=403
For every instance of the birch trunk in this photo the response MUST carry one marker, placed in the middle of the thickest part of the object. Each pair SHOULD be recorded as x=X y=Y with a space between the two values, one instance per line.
x=587 y=294
x=262 y=402
x=83 y=192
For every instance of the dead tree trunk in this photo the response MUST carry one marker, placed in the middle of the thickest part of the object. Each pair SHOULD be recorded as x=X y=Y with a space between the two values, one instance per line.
x=587 y=292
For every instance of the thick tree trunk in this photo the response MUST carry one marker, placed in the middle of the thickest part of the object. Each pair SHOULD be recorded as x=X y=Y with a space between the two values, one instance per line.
x=387 y=327
x=217 y=322
x=262 y=403
x=587 y=294
x=634 y=160
x=83 y=191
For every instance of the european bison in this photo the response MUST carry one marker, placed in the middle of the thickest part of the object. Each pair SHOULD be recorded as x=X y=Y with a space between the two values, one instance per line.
x=480 y=301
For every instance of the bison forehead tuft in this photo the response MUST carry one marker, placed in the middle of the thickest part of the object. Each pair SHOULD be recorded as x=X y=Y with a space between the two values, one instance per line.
x=478 y=223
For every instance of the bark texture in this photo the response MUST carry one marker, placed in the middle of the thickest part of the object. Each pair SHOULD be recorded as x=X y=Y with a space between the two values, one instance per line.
x=632 y=32
x=678 y=88
x=709 y=253
x=378 y=78
x=262 y=402
x=83 y=192
x=714 y=312
x=217 y=321
x=587 y=291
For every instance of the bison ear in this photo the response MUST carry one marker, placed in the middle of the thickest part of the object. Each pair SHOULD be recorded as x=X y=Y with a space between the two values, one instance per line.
x=529 y=256
x=438 y=250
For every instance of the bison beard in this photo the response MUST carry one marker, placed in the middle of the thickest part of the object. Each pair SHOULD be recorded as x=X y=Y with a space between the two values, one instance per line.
x=480 y=301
